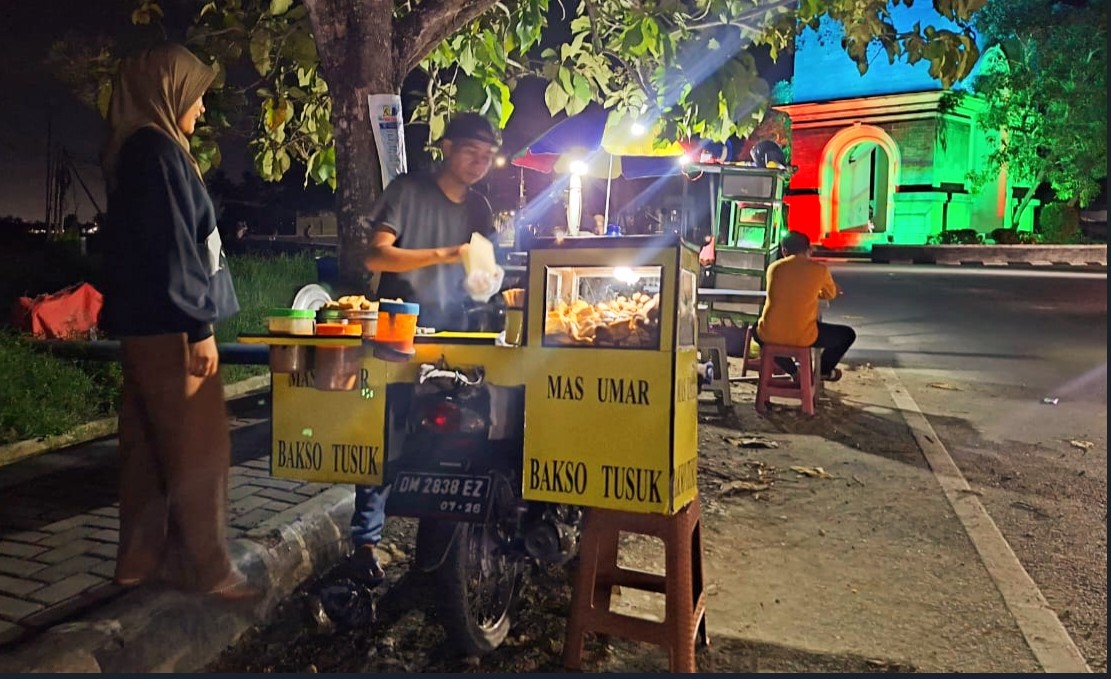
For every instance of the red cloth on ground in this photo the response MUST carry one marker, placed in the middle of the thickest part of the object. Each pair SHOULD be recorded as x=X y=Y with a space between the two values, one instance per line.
x=66 y=314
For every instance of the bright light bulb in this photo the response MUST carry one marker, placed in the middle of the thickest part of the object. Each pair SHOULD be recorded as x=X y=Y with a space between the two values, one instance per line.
x=578 y=167
x=499 y=161
x=638 y=129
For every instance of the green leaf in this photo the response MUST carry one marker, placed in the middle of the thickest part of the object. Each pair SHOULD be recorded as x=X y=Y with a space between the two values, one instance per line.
x=470 y=93
x=261 y=42
x=467 y=60
x=436 y=125
x=582 y=89
x=300 y=47
x=555 y=97
x=280 y=7
x=103 y=97
x=564 y=76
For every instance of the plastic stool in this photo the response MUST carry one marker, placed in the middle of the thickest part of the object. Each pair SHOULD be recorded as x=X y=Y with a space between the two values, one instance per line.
x=712 y=347
x=681 y=584
x=805 y=386
x=746 y=361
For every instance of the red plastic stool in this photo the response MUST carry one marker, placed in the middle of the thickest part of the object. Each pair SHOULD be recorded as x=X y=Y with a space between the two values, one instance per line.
x=804 y=386
x=681 y=585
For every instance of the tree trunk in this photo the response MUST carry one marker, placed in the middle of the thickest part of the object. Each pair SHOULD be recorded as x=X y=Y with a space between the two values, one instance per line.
x=1026 y=199
x=355 y=41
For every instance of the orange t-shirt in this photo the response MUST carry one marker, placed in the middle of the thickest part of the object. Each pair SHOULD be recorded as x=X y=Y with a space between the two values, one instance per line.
x=790 y=315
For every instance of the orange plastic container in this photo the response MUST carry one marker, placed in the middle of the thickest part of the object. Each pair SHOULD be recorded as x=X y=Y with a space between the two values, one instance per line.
x=339 y=329
x=397 y=327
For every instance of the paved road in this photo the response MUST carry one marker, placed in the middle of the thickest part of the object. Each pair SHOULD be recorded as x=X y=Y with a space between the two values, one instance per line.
x=979 y=349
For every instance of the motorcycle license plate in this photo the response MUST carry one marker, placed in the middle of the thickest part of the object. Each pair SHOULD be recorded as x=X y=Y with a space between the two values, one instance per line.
x=461 y=497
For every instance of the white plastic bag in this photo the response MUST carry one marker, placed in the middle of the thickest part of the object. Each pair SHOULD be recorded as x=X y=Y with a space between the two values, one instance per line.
x=481 y=285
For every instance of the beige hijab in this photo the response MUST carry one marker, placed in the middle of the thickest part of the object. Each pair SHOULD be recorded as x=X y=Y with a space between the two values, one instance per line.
x=154 y=88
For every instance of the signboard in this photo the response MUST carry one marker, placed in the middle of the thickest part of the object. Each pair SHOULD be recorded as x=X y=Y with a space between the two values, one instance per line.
x=598 y=430
x=389 y=134
x=329 y=436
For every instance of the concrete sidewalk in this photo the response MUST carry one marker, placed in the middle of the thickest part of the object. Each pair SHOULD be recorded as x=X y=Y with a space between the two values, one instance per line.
x=60 y=611
x=872 y=563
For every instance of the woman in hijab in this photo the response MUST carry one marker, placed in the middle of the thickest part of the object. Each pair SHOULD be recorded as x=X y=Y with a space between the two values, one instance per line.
x=167 y=282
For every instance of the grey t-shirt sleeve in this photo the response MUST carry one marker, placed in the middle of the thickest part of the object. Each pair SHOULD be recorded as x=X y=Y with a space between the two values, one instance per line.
x=386 y=212
x=481 y=216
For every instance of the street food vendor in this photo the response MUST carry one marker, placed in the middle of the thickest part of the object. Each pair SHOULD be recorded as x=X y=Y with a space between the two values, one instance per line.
x=418 y=233
x=420 y=226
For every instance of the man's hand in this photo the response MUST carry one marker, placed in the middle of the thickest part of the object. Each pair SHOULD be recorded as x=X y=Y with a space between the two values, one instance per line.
x=203 y=357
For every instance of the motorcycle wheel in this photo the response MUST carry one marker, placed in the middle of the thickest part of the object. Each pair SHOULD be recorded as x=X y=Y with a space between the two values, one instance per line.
x=480 y=583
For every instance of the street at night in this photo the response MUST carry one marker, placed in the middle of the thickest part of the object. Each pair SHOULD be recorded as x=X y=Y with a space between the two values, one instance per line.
x=519 y=336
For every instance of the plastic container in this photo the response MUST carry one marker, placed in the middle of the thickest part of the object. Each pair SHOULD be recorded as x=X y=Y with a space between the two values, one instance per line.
x=397 y=326
x=290 y=321
x=368 y=318
x=289 y=359
x=337 y=368
x=330 y=316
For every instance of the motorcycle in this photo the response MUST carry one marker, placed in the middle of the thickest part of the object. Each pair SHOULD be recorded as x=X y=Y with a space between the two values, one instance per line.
x=459 y=473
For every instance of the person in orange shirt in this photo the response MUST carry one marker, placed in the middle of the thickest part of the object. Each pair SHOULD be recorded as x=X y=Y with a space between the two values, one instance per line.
x=790 y=315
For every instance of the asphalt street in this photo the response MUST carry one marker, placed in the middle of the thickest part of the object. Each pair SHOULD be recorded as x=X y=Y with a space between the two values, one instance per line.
x=1009 y=367
x=1021 y=336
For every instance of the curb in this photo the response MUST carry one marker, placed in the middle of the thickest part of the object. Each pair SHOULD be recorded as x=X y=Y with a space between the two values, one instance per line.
x=1068 y=256
x=90 y=431
x=130 y=634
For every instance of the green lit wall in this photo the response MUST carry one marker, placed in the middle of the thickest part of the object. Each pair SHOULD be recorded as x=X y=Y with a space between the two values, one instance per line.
x=899 y=155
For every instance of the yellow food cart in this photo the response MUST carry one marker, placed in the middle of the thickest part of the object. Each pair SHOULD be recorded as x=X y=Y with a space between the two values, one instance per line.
x=606 y=362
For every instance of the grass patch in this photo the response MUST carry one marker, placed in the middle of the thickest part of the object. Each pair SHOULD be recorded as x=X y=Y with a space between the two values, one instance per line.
x=45 y=395
x=261 y=283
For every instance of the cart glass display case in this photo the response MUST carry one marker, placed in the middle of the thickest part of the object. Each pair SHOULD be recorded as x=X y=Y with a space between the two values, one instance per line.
x=602 y=306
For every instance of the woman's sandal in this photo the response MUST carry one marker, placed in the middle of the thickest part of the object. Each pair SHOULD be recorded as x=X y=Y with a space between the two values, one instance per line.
x=237 y=590
x=130 y=582
x=832 y=376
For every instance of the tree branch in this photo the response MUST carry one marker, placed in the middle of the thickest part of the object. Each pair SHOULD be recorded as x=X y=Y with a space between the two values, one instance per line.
x=592 y=12
x=429 y=23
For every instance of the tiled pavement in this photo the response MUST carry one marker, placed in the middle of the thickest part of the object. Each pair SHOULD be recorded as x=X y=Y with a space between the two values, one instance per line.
x=59 y=521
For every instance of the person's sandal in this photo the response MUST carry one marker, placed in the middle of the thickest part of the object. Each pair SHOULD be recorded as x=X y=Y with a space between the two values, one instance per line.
x=832 y=376
x=128 y=583
x=237 y=590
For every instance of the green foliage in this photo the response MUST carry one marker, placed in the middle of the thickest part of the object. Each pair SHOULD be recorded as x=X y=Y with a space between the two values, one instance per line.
x=687 y=62
x=1047 y=93
x=956 y=237
x=261 y=283
x=44 y=395
x=1059 y=223
x=1014 y=237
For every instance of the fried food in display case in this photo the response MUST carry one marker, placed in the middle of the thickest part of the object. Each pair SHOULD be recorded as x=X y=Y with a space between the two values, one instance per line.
x=603 y=306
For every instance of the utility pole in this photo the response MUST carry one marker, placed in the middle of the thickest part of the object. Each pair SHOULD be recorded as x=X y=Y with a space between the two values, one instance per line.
x=49 y=166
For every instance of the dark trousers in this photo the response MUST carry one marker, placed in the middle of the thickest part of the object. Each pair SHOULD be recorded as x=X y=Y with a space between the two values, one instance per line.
x=834 y=340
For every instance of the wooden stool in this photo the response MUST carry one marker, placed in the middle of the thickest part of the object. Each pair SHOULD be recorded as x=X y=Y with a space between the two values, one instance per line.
x=712 y=347
x=804 y=386
x=681 y=584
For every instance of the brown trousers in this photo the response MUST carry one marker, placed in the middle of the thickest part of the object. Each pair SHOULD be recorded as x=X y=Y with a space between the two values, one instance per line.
x=175 y=452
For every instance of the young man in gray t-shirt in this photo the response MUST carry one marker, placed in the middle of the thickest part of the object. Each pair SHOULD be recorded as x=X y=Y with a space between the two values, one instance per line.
x=422 y=223
x=420 y=228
